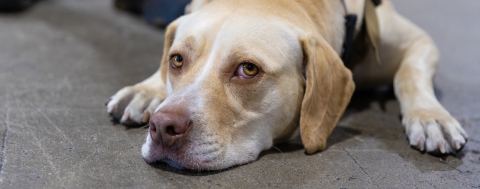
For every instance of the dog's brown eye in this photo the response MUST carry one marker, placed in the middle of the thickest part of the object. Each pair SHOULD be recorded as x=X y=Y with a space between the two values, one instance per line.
x=250 y=69
x=177 y=61
x=247 y=70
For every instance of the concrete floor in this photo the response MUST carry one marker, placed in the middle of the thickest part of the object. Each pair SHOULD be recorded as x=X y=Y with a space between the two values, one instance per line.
x=62 y=59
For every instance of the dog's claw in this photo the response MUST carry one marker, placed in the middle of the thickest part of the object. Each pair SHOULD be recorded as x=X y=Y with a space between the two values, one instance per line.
x=421 y=144
x=106 y=102
x=110 y=109
x=125 y=117
x=441 y=147
x=146 y=117
x=457 y=145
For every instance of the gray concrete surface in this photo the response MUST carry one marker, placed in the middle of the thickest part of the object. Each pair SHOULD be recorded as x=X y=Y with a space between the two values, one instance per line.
x=62 y=59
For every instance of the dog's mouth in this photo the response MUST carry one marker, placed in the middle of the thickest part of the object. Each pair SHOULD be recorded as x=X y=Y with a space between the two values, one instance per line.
x=193 y=156
x=184 y=166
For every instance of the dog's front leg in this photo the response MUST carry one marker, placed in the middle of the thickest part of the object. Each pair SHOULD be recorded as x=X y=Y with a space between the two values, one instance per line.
x=133 y=105
x=428 y=125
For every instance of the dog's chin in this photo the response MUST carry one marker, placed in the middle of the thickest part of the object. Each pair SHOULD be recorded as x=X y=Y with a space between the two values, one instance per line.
x=187 y=159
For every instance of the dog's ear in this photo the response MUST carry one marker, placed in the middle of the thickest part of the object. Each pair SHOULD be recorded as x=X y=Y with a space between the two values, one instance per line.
x=169 y=37
x=329 y=87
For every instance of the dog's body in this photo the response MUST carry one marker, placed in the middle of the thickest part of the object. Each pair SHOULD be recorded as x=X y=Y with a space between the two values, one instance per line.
x=238 y=76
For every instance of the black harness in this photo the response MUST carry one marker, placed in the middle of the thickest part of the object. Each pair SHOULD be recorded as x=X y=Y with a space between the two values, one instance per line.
x=355 y=49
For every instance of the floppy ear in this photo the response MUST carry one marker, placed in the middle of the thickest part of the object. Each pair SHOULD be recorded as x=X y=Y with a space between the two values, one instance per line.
x=329 y=87
x=169 y=37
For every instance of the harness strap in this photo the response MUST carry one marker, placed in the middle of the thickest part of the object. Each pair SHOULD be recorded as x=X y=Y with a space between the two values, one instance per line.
x=354 y=50
x=373 y=31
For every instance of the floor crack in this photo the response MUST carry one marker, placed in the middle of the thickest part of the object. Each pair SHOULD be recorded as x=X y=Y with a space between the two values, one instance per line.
x=354 y=160
x=2 y=156
x=368 y=176
x=4 y=140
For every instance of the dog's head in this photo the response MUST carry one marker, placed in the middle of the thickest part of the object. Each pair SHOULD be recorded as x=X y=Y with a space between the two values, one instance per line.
x=239 y=80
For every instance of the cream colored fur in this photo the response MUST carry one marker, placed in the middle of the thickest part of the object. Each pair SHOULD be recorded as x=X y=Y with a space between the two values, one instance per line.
x=303 y=83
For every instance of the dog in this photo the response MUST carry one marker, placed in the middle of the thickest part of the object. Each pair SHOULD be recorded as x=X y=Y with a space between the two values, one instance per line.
x=237 y=77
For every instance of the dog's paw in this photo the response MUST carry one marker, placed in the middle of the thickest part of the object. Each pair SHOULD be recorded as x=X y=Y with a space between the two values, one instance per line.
x=133 y=105
x=434 y=131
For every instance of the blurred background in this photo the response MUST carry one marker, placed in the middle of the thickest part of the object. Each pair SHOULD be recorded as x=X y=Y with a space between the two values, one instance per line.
x=158 y=13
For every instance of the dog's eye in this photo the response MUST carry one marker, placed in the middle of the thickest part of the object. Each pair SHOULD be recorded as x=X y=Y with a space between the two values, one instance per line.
x=247 y=70
x=177 y=61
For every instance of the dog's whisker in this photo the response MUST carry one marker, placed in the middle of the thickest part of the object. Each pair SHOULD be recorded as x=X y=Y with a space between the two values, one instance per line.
x=140 y=129
x=145 y=126
x=276 y=148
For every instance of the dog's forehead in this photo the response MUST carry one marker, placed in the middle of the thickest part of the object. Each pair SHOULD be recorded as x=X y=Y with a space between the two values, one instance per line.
x=237 y=24
x=251 y=34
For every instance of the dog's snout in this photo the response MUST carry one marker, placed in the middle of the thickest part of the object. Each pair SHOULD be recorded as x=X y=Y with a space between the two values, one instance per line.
x=167 y=128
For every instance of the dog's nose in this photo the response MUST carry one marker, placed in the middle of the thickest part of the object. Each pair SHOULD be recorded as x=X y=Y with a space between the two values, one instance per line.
x=166 y=128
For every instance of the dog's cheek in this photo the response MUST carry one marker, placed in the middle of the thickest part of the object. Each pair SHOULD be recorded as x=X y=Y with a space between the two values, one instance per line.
x=287 y=102
x=169 y=86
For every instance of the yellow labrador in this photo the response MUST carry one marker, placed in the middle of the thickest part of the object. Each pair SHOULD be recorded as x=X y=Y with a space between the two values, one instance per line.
x=238 y=76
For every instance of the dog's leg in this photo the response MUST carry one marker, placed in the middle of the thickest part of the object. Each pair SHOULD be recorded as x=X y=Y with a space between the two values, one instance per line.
x=427 y=124
x=135 y=104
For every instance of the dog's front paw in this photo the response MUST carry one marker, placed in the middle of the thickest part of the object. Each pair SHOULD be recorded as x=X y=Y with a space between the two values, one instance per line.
x=133 y=105
x=435 y=131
